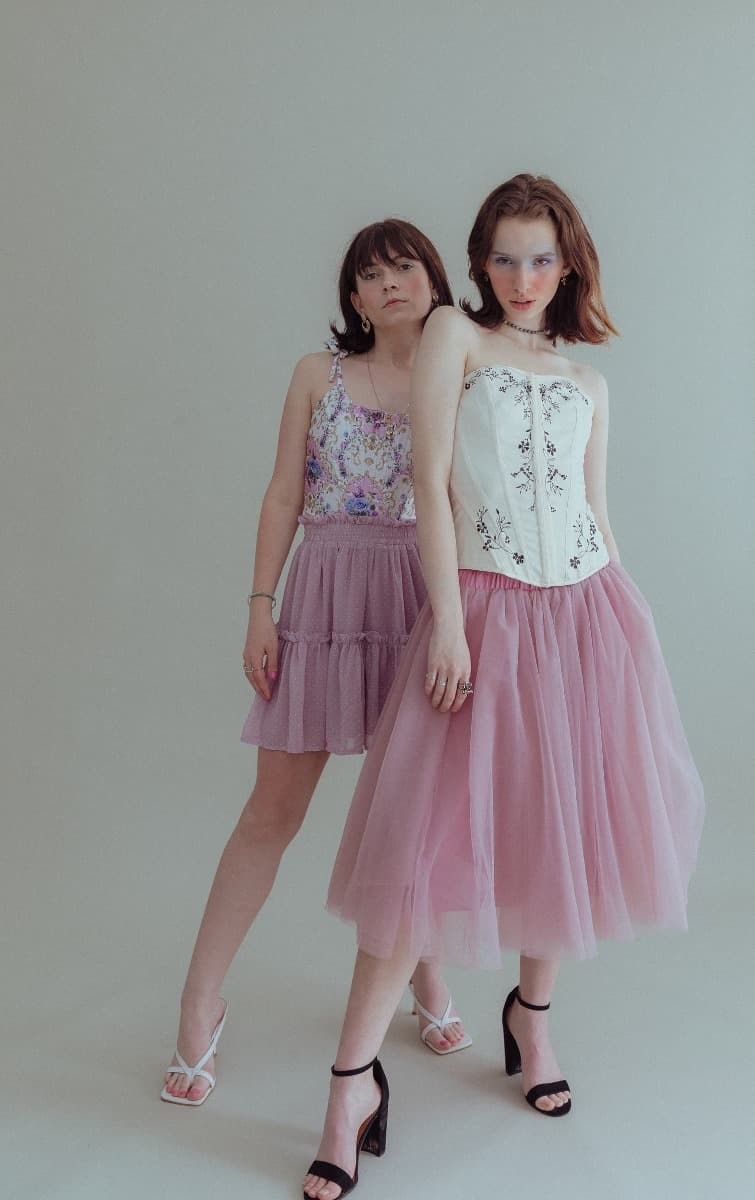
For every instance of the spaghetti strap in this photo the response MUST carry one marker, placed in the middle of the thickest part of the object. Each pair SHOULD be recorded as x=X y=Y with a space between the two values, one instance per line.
x=338 y=354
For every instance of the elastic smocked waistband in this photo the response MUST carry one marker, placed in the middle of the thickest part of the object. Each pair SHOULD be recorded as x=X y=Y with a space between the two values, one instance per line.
x=492 y=581
x=356 y=530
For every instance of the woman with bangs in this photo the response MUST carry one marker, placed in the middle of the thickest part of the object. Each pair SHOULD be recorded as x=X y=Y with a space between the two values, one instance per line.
x=555 y=801
x=343 y=471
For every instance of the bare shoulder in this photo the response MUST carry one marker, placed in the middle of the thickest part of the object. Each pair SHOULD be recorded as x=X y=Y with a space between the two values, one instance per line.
x=310 y=377
x=313 y=369
x=449 y=322
x=592 y=383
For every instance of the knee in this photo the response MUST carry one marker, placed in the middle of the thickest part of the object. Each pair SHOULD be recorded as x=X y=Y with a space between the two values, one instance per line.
x=270 y=819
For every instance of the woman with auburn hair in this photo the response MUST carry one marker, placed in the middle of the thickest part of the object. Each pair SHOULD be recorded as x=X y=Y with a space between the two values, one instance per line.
x=343 y=471
x=554 y=801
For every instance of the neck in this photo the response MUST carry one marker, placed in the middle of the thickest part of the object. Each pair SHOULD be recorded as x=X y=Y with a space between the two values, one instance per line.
x=397 y=348
x=527 y=341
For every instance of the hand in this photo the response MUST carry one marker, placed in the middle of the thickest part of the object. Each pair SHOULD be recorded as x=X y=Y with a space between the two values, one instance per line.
x=261 y=652
x=448 y=666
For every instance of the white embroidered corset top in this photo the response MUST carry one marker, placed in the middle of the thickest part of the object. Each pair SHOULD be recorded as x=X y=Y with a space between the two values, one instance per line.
x=517 y=478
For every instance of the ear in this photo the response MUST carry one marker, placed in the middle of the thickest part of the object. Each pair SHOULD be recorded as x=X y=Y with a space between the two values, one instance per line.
x=357 y=303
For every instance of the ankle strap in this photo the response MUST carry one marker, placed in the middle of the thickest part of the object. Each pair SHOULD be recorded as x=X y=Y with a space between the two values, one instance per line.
x=354 y=1070
x=534 y=1007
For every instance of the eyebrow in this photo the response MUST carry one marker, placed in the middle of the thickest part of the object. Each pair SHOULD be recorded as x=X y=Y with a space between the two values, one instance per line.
x=379 y=262
x=537 y=254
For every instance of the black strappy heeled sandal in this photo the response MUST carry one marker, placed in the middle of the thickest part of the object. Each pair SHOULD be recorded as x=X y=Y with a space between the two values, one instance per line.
x=514 y=1061
x=370 y=1138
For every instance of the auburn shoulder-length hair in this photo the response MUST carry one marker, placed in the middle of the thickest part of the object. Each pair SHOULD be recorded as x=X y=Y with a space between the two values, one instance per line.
x=577 y=312
x=385 y=241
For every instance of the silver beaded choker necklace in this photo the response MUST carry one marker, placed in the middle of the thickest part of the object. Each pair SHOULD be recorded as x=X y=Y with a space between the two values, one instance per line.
x=521 y=328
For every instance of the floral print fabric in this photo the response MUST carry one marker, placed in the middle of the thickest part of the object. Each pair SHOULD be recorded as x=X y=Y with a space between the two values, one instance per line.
x=359 y=460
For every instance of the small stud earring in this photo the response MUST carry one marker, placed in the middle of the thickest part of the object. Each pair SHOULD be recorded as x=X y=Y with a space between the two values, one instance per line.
x=366 y=326
x=434 y=295
x=564 y=279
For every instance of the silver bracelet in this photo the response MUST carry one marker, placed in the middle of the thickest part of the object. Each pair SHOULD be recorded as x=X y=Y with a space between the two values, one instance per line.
x=268 y=595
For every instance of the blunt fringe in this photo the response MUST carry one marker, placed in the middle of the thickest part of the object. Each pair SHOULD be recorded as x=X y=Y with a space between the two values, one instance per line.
x=577 y=312
x=385 y=241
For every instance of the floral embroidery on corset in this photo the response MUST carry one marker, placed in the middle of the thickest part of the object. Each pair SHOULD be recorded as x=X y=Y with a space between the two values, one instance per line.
x=585 y=529
x=520 y=391
x=500 y=539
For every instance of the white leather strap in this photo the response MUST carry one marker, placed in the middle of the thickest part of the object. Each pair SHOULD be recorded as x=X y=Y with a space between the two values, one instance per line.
x=439 y=1023
x=183 y=1068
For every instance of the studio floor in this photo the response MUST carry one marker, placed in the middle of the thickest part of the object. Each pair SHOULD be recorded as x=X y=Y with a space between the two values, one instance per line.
x=653 y=1037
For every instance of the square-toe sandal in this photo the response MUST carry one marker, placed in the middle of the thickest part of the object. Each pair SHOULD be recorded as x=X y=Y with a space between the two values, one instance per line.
x=514 y=1060
x=439 y=1023
x=371 y=1137
x=191 y=1073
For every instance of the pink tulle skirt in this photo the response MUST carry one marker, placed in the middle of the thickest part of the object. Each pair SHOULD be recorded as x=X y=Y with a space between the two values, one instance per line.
x=560 y=806
x=352 y=595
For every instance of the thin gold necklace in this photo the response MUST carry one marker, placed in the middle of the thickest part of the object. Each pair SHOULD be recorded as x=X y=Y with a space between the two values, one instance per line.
x=372 y=381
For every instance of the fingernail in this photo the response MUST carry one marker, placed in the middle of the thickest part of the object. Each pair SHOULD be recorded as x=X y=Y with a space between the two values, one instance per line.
x=273 y=674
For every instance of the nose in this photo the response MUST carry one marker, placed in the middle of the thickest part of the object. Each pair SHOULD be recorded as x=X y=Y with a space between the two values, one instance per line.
x=389 y=280
x=521 y=280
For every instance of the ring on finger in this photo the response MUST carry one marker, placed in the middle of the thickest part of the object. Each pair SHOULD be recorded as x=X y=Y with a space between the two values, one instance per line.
x=465 y=689
x=442 y=682
x=432 y=676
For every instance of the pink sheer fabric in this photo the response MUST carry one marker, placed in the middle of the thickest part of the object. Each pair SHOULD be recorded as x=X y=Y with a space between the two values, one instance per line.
x=559 y=807
x=353 y=593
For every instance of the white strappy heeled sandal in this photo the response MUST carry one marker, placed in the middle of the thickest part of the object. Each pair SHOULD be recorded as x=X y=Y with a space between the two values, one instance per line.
x=439 y=1023
x=191 y=1073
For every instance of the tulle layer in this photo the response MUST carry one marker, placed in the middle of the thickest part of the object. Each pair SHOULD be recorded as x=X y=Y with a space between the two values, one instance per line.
x=560 y=806
x=352 y=595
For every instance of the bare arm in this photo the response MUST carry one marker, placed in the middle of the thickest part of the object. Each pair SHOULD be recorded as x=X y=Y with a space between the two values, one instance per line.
x=596 y=462
x=437 y=382
x=280 y=510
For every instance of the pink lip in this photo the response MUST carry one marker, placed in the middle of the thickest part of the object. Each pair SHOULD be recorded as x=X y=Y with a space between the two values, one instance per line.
x=522 y=303
x=389 y=303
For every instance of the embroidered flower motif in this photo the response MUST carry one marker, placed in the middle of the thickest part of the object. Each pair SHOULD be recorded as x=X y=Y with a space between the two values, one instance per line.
x=587 y=543
x=499 y=539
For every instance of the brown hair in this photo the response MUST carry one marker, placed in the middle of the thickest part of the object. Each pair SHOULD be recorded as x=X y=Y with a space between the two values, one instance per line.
x=385 y=241
x=577 y=312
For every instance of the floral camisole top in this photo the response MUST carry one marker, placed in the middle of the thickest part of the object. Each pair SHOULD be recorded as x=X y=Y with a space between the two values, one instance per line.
x=359 y=460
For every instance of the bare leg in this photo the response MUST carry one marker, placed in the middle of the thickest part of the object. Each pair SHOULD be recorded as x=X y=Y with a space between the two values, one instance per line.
x=269 y=821
x=537 y=977
x=375 y=991
x=432 y=992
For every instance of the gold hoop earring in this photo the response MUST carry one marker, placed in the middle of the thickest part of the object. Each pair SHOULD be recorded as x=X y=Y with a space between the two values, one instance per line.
x=434 y=297
x=366 y=326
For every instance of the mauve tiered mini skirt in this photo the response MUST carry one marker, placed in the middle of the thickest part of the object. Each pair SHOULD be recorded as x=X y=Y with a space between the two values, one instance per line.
x=353 y=593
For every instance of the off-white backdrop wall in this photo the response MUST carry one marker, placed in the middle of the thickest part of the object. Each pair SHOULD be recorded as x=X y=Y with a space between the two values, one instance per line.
x=179 y=182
